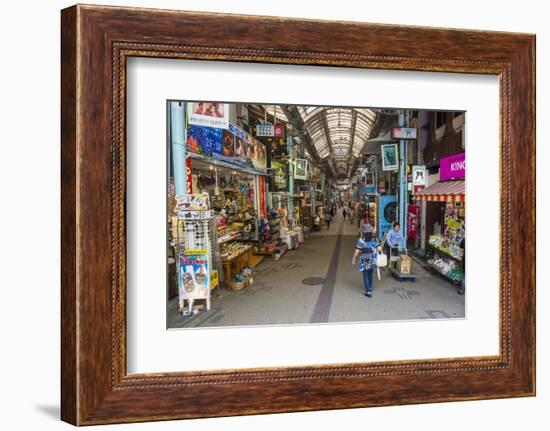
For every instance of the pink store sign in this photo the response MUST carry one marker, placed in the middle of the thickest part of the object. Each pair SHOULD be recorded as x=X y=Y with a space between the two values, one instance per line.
x=452 y=167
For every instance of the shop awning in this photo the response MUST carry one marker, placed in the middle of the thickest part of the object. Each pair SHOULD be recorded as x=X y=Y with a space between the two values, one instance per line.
x=447 y=191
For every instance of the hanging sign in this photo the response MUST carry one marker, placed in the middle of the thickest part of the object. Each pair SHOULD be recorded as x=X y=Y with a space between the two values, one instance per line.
x=418 y=178
x=209 y=114
x=419 y=175
x=403 y=133
x=269 y=130
x=261 y=180
x=264 y=130
x=278 y=130
x=390 y=160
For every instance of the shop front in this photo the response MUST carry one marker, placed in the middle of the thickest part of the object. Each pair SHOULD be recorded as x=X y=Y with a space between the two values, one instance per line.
x=446 y=199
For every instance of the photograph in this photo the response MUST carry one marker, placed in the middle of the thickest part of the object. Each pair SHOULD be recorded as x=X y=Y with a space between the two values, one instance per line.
x=362 y=218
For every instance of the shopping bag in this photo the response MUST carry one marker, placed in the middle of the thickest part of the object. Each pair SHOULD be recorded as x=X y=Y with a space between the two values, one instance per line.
x=381 y=260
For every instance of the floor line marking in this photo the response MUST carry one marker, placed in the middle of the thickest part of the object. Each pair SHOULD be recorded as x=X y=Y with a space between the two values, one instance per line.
x=321 y=310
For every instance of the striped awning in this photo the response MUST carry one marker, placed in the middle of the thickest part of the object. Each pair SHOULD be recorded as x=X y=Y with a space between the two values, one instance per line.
x=447 y=191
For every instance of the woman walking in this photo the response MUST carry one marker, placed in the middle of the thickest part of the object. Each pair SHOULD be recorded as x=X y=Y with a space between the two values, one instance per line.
x=366 y=250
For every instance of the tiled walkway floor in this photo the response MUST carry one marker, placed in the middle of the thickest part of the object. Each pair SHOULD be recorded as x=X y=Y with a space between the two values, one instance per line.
x=278 y=295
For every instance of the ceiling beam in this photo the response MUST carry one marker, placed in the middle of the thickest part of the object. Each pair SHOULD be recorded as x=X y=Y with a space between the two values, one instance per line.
x=297 y=122
x=327 y=134
x=352 y=138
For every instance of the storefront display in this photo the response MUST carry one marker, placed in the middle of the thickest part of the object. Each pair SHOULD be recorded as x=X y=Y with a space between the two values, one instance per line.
x=447 y=248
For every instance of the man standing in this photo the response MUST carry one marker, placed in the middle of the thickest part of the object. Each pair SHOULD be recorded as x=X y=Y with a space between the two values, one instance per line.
x=394 y=241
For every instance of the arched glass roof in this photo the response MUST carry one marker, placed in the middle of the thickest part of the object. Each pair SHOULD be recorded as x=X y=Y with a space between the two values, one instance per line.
x=338 y=133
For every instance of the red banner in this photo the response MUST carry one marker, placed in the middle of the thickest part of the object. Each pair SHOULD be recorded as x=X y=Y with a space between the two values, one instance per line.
x=261 y=182
x=413 y=220
x=189 y=176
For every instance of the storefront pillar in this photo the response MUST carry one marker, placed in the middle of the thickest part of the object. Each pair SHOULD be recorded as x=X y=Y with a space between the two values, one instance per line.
x=178 y=140
x=290 y=150
x=403 y=198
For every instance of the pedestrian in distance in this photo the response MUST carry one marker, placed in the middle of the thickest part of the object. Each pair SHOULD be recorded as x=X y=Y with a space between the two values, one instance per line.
x=344 y=213
x=364 y=257
x=366 y=227
x=328 y=219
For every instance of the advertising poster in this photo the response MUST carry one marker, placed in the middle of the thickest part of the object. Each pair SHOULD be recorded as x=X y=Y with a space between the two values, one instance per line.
x=279 y=178
x=194 y=279
x=208 y=114
x=300 y=169
x=260 y=153
x=204 y=140
x=390 y=159
x=387 y=213
x=241 y=146
x=228 y=147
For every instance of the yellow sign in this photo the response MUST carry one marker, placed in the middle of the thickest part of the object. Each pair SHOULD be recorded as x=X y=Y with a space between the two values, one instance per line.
x=188 y=252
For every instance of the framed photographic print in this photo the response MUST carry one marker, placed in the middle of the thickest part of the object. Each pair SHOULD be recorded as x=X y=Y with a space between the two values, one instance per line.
x=206 y=272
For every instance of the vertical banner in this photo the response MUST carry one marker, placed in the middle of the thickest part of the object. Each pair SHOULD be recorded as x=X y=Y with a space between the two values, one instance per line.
x=413 y=219
x=261 y=181
x=189 y=175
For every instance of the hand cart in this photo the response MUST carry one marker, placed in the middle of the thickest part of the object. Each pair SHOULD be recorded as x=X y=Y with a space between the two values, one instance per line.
x=395 y=253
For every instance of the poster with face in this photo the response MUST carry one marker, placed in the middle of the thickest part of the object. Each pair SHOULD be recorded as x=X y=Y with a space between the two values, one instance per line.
x=209 y=114
x=261 y=155
x=228 y=146
x=240 y=147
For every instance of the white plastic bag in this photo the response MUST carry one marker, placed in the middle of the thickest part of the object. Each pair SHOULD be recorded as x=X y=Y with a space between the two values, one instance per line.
x=381 y=260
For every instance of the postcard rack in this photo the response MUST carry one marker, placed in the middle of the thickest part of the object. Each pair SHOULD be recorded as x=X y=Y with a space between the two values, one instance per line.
x=193 y=243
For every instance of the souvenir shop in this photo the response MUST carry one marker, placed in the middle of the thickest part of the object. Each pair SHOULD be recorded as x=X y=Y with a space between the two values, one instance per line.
x=235 y=213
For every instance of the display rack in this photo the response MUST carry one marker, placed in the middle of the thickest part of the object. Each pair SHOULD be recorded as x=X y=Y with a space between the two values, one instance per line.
x=193 y=242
